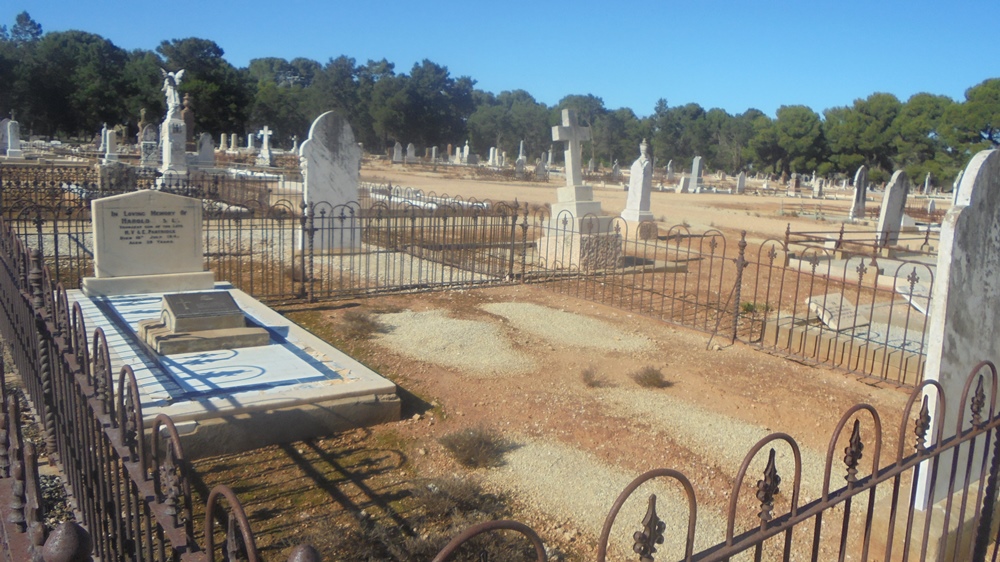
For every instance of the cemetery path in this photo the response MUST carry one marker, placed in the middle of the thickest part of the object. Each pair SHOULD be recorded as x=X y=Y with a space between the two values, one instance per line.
x=512 y=359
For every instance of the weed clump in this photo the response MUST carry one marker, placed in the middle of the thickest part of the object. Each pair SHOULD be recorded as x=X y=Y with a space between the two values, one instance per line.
x=361 y=325
x=590 y=378
x=650 y=377
x=476 y=447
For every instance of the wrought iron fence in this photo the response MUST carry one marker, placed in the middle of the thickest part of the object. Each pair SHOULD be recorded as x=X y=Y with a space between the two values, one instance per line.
x=399 y=239
x=936 y=502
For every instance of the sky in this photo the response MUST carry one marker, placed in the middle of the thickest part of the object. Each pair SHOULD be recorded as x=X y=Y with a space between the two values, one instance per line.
x=733 y=54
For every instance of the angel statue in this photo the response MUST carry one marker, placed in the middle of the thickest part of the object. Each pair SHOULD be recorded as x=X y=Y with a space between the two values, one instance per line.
x=170 y=82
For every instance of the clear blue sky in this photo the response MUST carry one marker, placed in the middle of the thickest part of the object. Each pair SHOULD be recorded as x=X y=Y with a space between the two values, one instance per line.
x=729 y=54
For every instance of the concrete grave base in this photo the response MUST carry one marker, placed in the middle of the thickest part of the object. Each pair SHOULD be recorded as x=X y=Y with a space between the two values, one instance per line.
x=940 y=545
x=143 y=284
x=852 y=351
x=295 y=387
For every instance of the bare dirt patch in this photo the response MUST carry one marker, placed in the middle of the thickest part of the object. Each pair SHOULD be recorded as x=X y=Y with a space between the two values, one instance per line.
x=574 y=444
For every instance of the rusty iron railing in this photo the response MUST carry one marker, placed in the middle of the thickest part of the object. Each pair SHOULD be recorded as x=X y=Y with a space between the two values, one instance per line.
x=881 y=512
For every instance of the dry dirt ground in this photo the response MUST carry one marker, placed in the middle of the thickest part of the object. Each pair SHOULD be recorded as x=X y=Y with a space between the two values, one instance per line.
x=551 y=375
x=762 y=217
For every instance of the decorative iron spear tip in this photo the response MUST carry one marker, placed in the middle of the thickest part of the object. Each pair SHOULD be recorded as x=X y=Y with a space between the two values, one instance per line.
x=923 y=424
x=862 y=269
x=913 y=279
x=651 y=533
x=767 y=488
x=853 y=453
x=977 y=403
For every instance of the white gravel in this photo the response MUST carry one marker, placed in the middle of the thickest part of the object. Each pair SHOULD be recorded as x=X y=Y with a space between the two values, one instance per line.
x=573 y=486
x=566 y=328
x=716 y=437
x=478 y=348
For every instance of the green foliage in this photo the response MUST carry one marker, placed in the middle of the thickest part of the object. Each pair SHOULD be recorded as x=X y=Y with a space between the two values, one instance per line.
x=800 y=138
x=221 y=94
x=71 y=82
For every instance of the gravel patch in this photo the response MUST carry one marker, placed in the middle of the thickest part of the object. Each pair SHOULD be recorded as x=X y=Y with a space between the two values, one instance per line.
x=570 y=485
x=726 y=440
x=477 y=348
x=567 y=328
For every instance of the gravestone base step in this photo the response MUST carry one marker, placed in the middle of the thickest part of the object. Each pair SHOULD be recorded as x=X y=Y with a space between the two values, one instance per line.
x=143 y=284
x=158 y=336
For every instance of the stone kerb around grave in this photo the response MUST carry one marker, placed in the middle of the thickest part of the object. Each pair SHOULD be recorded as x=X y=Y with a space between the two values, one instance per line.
x=146 y=242
x=965 y=303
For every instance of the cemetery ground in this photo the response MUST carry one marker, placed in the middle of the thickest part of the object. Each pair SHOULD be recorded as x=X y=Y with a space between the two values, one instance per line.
x=555 y=378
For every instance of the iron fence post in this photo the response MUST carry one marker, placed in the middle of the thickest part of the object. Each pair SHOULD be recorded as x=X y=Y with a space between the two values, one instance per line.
x=513 y=243
x=44 y=360
x=303 y=219
x=982 y=541
x=740 y=266
x=308 y=275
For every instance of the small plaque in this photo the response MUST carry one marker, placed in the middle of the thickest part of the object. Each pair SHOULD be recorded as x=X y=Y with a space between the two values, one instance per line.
x=199 y=305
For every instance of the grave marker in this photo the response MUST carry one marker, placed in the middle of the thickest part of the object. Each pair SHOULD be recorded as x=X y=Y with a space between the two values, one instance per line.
x=173 y=131
x=3 y=134
x=860 y=194
x=148 y=145
x=572 y=134
x=695 y=182
x=639 y=188
x=14 y=141
x=206 y=151
x=837 y=313
x=264 y=158
x=890 y=218
x=147 y=242
x=965 y=306
x=331 y=163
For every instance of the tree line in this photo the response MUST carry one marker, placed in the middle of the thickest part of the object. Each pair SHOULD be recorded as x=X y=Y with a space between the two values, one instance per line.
x=67 y=84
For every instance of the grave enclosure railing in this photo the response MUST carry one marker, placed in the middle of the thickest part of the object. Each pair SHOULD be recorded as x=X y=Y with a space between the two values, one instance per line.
x=134 y=497
x=398 y=239
x=880 y=513
x=92 y=420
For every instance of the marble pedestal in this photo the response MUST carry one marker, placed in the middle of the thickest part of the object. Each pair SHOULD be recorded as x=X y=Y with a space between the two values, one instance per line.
x=579 y=235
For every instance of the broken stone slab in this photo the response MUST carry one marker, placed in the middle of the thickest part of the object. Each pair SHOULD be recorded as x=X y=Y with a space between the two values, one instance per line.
x=837 y=313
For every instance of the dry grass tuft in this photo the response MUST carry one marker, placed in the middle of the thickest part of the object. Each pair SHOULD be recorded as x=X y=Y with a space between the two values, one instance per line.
x=650 y=377
x=476 y=447
x=590 y=378
x=361 y=325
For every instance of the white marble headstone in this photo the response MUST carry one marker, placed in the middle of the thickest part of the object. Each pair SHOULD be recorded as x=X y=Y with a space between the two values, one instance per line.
x=639 y=188
x=147 y=241
x=331 y=161
x=860 y=194
x=965 y=301
x=890 y=218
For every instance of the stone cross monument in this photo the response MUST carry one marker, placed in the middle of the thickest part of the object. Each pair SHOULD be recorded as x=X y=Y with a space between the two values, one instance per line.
x=579 y=233
x=572 y=134
x=264 y=156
